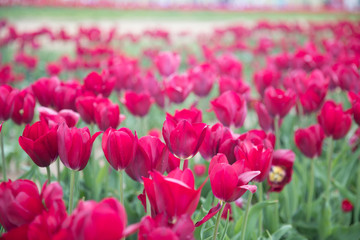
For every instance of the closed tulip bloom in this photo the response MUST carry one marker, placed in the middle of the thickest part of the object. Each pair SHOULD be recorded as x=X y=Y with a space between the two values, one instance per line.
x=229 y=65
x=65 y=95
x=119 y=147
x=203 y=78
x=44 y=89
x=151 y=154
x=40 y=143
x=167 y=63
x=192 y=115
x=230 y=182
x=279 y=102
x=266 y=78
x=85 y=106
x=213 y=139
x=91 y=220
x=138 y=104
x=334 y=121
x=230 y=109
x=178 y=88
x=355 y=103
x=99 y=84
x=346 y=206
x=281 y=169
x=5 y=102
x=173 y=195
x=266 y=122
x=22 y=106
x=309 y=140
x=74 y=146
x=107 y=114
x=183 y=138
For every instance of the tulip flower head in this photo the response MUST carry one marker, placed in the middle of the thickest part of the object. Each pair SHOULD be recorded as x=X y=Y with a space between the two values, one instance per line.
x=309 y=140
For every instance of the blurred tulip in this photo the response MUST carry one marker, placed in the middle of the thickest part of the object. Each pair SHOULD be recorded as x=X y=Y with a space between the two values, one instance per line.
x=203 y=78
x=355 y=103
x=334 y=121
x=309 y=140
x=74 y=146
x=346 y=205
x=44 y=89
x=53 y=68
x=53 y=118
x=138 y=104
x=99 y=84
x=40 y=143
x=265 y=78
x=228 y=65
x=178 y=88
x=193 y=115
x=199 y=169
x=106 y=114
x=151 y=154
x=85 y=107
x=65 y=95
x=119 y=147
x=281 y=169
x=167 y=63
x=266 y=122
x=22 y=106
x=230 y=109
x=6 y=100
x=232 y=84
x=279 y=102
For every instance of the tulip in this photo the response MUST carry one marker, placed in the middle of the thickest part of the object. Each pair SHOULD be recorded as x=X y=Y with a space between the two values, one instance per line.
x=91 y=220
x=159 y=228
x=174 y=195
x=167 y=63
x=183 y=138
x=5 y=102
x=99 y=84
x=213 y=139
x=309 y=140
x=22 y=106
x=74 y=145
x=85 y=107
x=192 y=115
x=53 y=68
x=355 y=103
x=203 y=78
x=229 y=66
x=151 y=154
x=279 y=102
x=107 y=114
x=348 y=77
x=266 y=78
x=44 y=89
x=281 y=169
x=177 y=88
x=237 y=85
x=347 y=206
x=65 y=95
x=266 y=122
x=137 y=104
x=334 y=121
x=228 y=149
x=40 y=143
x=53 y=118
x=199 y=169
x=230 y=109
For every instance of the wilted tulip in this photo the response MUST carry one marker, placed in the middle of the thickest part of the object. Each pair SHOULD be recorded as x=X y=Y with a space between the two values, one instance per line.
x=119 y=147
x=151 y=154
x=40 y=143
x=309 y=140
x=173 y=195
x=167 y=63
x=213 y=139
x=230 y=109
x=106 y=114
x=334 y=121
x=281 y=169
x=279 y=102
x=183 y=138
x=74 y=146
x=138 y=104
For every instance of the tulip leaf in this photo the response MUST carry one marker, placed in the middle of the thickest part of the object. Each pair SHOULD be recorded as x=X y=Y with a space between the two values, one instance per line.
x=345 y=191
x=30 y=173
x=345 y=232
x=325 y=220
x=281 y=232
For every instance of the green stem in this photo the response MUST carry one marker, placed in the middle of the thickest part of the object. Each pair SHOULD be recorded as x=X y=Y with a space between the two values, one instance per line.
x=48 y=174
x=311 y=191
x=182 y=161
x=144 y=125
x=248 y=204
x=218 y=220
x=58 y=169
x=357 y=202
x=276 y=212
x=329 y=161
x=148 y=206
x=277 y=131
x=72 y=186
x=3 y=157
x=260 y=191
x=121 y=180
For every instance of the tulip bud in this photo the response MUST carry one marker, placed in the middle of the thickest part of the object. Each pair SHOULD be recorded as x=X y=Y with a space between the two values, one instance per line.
x=309 y=140
x=279 y=102
x=138 y=104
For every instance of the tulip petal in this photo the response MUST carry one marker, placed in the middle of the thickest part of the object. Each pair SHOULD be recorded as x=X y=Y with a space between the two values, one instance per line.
x=212 y=212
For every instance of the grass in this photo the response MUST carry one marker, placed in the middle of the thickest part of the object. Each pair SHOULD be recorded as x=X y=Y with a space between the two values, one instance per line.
x=16 y=13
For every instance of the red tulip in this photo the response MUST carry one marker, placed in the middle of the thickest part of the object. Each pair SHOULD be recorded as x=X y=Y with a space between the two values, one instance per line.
x=74 y=145
x=229 y=182
x=174 y=195
x=119 y=147
x=237 y=85
x=99 y=84
x=44 y=89
x=281 y=169
x=159 y=228
x=199 y=169
x=192 y=115
x=346 y=205
x=23 y=105
x=177 y=88
x=65 y=95
x=203 y=78
x=138 y=104
x=91 y=220
x=40 y=143
x=309 y=140
x=155 y=133
x=85 y=107
x=229 y=66
x=213 y=139
x=183 y=138
x=355 y=103
x=266 y=122
x=228 y=149
x=334 y=121
x=107 y=114
x=53 y=118
x=167 y=63
x=266 y=78
x=279 y=102
x=230 y=108
x=348 y=77
x=151 y=154
x=6 y=100
x=53 y=68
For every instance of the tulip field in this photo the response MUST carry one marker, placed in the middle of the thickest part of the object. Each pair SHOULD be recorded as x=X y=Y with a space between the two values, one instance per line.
x=246 y=130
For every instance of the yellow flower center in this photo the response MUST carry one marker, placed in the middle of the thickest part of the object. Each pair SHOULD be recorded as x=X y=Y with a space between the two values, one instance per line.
x=277 y=174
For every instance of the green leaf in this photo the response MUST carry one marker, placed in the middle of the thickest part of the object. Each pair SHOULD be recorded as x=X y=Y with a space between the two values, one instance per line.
x=345 y=191
x=325 y=220
x=281 y=232
x=342 y=232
